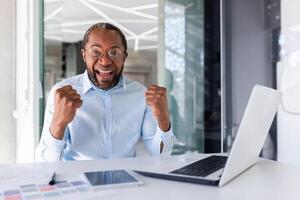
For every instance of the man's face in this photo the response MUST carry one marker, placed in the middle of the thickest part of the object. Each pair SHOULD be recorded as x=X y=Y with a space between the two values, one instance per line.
x=104 y=56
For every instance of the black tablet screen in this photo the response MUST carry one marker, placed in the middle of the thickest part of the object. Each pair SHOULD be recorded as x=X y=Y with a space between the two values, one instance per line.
x=109 y=177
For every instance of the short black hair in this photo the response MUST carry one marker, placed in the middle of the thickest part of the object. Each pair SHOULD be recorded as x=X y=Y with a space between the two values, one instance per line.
x=104 y=26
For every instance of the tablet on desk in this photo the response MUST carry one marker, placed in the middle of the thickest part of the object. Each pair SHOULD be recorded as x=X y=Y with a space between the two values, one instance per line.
x=113 y=178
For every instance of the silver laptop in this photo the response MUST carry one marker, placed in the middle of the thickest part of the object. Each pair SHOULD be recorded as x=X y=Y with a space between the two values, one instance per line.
x=218 y=170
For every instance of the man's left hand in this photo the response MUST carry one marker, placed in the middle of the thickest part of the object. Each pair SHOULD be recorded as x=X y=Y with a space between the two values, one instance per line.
x=156 y=98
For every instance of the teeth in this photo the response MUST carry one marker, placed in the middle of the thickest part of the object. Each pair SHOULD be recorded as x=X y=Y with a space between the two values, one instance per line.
x=105 y=72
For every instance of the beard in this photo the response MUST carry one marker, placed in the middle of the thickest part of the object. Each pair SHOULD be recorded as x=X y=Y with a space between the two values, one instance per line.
x=109 y=80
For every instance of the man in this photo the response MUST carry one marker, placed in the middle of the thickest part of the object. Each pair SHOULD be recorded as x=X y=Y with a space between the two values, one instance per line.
x=101 y=114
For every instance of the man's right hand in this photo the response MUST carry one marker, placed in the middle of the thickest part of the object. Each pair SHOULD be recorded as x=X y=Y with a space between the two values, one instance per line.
x=66 y=102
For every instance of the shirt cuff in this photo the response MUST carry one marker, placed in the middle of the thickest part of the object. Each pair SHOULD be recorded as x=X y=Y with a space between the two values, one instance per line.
x=53 y=148
x=54 y=143
x=168 y=139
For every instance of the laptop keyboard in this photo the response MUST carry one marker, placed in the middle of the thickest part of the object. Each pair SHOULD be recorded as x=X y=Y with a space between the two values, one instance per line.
x=202 y=167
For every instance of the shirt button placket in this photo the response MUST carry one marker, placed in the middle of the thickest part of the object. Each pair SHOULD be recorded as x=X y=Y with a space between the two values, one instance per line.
x=108 y=123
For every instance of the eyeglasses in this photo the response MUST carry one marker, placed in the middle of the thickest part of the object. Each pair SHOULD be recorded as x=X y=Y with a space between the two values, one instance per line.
x=113 y=54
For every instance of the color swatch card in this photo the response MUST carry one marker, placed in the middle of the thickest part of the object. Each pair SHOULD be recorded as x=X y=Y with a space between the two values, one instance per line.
x=45 y=191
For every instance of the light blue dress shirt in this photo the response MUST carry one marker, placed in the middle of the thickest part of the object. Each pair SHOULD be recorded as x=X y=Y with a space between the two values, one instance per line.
x=107 y=125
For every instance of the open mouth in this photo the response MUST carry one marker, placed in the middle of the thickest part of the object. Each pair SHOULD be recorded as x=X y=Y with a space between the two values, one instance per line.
x=104 y=74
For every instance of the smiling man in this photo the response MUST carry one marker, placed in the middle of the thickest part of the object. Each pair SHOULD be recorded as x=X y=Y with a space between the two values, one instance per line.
x=100 y=113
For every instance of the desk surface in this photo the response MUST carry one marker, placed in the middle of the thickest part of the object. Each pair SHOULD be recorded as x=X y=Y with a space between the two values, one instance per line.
x=265 y=180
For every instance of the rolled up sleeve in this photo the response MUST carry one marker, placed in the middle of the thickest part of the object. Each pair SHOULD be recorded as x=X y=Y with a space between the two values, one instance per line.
x=49 y=148
x=152 y=136
x=168 y=140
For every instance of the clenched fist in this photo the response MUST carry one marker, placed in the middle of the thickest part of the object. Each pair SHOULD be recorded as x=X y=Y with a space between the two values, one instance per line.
x=156 y=98
x=66 y=102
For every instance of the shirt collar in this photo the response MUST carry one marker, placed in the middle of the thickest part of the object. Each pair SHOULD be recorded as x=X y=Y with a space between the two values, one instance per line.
x=87 y=84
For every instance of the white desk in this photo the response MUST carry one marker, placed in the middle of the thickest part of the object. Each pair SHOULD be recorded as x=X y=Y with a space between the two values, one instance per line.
x=265 y=180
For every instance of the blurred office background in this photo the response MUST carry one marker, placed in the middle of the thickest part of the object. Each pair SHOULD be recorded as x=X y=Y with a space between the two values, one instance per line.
x=208 y=53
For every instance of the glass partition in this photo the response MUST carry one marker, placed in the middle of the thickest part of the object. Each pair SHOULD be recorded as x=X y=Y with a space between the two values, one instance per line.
x=191 y=77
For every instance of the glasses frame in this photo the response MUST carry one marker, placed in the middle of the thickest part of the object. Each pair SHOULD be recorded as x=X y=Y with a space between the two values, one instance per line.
x=100 y=56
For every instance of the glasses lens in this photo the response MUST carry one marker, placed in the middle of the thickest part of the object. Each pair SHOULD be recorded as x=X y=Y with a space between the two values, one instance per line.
x=115 y=53
x=95 y=53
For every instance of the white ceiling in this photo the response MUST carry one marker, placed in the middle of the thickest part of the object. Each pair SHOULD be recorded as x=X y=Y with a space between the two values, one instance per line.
x=67 y=20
